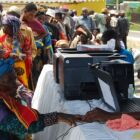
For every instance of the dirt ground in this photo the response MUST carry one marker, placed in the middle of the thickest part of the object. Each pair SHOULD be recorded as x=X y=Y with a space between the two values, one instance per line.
x=133 y=42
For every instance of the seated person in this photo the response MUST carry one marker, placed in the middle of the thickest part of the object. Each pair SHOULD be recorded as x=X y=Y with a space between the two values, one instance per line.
x=17 y=120
x=112 y=34
x=96 y=36
x=81 y=36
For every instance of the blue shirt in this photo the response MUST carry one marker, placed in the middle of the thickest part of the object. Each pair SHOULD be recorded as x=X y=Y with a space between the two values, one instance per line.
x=87 y=22
x=129 y=57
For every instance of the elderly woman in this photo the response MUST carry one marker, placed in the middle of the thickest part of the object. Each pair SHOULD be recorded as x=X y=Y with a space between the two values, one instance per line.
x=20 y=42
x=14 y=44
x=16 y=119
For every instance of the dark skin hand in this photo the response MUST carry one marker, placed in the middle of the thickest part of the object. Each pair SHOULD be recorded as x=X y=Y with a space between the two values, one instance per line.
x=102 y=116
x=69 y=118
x=99 y=115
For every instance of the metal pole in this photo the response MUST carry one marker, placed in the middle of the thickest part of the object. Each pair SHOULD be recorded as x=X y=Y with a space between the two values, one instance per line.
x=117 y=5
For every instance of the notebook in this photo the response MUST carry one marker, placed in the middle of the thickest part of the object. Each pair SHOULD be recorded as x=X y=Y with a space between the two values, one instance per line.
x=107 y=89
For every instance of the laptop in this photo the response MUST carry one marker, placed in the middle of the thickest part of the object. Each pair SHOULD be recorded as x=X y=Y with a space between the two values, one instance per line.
x=107 y=89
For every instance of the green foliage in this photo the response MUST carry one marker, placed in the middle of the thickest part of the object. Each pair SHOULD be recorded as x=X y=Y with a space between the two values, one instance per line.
x=130 y=11
x=137 y=10
x=128 y=14
x=135 y=27
x=114 y=1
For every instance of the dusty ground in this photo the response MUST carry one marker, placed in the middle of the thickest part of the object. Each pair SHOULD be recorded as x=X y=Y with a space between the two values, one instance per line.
x=133 y=42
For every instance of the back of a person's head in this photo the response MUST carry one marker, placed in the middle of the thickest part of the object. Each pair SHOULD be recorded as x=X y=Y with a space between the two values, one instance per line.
x=109 y=34
x=122 y=13
x=30 y=7
x=64 y=8
x=104 y=11
x=97 y=29
x=91 y=12
x=84 y=9
x=71 y=13
x=40 y=13
x=75 y=11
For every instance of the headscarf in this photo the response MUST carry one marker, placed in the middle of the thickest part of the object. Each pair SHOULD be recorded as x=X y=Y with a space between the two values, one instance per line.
x=14 y=9
x=6 y=66
x=12 y=21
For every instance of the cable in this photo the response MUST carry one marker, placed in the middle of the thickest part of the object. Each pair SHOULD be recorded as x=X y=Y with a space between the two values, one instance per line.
x=90 y=106
x=66 y=133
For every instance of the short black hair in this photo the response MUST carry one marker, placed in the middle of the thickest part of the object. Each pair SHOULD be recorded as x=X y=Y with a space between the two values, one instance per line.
x=97 y=29
x=40 y=13
x=109 y=34
x=30 y=7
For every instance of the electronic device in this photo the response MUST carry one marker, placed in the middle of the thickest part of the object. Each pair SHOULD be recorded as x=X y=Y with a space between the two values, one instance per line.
x=75 y=76
x=122 y=74
x=74 y=51
x=109 y=94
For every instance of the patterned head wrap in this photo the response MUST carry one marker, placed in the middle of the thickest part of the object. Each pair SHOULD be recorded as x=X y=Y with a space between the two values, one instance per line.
x=6 y=66
x=12 y=21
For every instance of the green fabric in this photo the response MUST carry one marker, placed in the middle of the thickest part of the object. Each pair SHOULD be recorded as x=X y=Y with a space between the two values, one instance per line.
x=10 y=124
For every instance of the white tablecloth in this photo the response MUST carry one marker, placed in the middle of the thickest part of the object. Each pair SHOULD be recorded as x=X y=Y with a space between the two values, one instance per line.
x=48 y=97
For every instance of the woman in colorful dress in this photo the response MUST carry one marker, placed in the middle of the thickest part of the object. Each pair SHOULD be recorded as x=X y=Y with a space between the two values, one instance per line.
x=15 y=44
x=14 y=121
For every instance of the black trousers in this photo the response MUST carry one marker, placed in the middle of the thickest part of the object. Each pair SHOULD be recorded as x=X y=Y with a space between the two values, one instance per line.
x=124 y=39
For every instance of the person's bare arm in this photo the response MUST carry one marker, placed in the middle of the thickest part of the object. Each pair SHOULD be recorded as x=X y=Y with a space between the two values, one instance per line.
x=102 y=116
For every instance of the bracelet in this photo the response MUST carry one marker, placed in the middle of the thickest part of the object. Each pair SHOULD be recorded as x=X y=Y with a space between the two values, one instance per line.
x=50 y=118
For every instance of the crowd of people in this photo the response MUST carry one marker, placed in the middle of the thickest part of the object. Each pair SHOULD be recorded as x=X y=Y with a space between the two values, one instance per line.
x=28 y=39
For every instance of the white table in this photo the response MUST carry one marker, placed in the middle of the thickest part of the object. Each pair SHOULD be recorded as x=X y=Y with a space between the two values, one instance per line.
x=48 y=97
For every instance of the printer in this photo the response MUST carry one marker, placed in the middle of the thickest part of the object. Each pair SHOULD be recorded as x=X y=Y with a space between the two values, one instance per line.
x=72 y=72
x=122 y=73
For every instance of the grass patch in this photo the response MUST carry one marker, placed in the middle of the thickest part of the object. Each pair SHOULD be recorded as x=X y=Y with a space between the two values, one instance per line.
x=135 y=27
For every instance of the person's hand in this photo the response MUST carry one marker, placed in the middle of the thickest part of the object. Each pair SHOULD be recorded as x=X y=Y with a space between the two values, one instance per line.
x=96 y=115
x=68 y=118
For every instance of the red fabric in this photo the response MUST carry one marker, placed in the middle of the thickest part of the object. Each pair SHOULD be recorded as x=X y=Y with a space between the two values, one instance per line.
x=36 y=26
x=63 y=36
x=25 y=114
x=28 y=65
x=2 y=38
x=6 y=48
x=124 y=123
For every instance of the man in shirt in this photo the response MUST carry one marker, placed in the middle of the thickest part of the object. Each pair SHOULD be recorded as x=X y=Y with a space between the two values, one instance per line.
x=123 y=27
x=86 y=20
